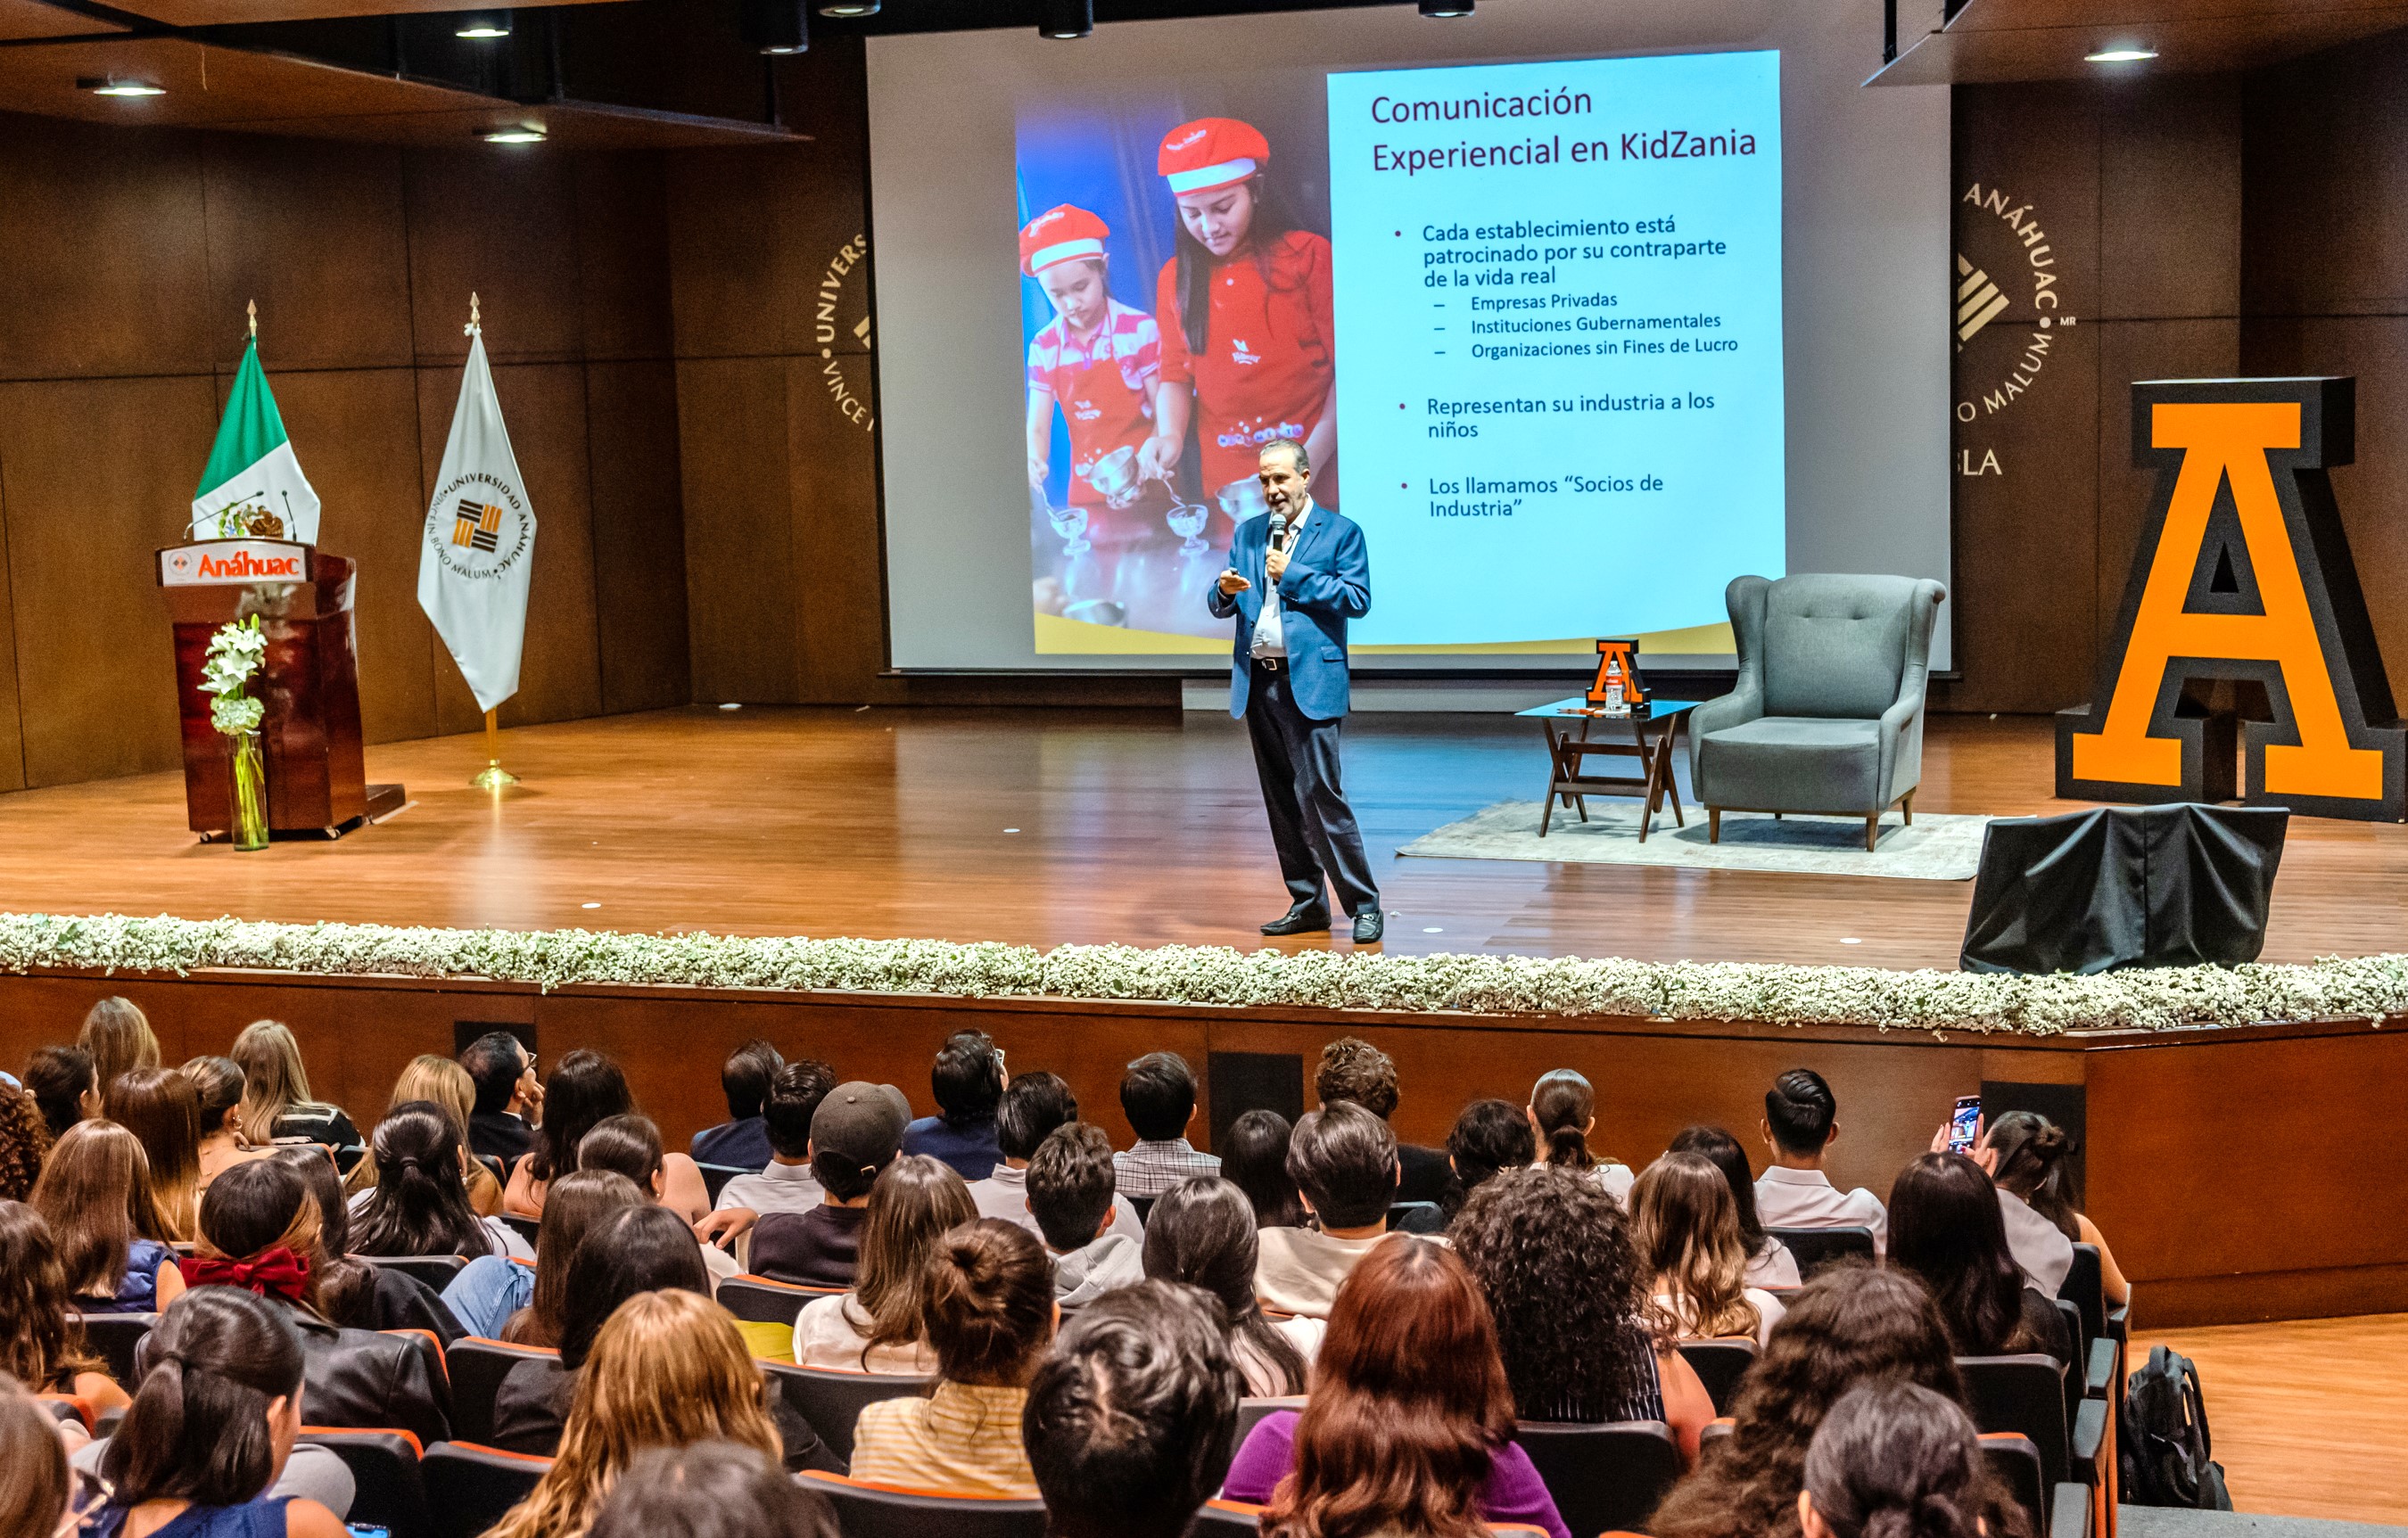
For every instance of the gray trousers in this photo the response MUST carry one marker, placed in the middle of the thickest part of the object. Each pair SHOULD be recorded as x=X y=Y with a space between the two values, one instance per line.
x=1313 y=829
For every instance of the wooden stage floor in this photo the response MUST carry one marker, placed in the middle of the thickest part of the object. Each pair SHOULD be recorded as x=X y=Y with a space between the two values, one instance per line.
x=1043 y=826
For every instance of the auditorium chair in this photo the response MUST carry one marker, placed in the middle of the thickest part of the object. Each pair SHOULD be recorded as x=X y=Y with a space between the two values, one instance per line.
x=1827 y=714
x=716 y=1176
x=389 y=1491
x=1252 y=1411
x=470 y=1488
x=1719 y=1365
x=758 y=1298
x=1220 y=1518
x=1602 y=1476
x=2026 y=1394
x=865 y=1510
x=115 y=1337
x=832 y=1402
x=477 y=1367
x=528 y=1229
x=435 y=1271
x=64 y=1408
x=1816 y=1249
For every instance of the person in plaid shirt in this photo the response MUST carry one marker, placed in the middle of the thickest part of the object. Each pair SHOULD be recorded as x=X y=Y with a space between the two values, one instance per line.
x=1158 y=1096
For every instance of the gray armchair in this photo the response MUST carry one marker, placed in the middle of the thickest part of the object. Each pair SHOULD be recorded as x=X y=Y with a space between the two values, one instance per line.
x=1827 y=717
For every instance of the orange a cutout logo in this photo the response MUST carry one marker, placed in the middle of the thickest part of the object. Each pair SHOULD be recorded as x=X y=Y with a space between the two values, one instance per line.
x=2243 y=575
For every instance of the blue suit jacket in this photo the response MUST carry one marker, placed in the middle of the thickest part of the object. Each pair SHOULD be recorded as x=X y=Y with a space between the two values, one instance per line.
x=1329 y=583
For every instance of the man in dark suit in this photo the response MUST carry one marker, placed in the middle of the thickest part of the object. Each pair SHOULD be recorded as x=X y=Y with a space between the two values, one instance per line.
x=1292 y=597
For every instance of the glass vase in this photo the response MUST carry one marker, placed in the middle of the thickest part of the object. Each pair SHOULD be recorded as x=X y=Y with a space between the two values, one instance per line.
x=250 y=792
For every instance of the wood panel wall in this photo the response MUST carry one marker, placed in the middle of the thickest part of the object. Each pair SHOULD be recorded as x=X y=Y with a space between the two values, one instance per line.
x=131 y=254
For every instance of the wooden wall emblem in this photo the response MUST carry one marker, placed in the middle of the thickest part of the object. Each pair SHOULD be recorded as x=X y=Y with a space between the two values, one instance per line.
x=2242 y=576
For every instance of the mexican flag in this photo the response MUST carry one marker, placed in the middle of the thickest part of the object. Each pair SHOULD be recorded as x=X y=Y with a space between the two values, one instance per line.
x=252 y=469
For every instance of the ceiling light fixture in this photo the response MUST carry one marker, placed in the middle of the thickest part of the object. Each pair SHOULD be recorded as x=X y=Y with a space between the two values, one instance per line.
x=1066 y=19
x=850 y=10
x=777 y=27
x=520 y=133
x=483 y=26
x=2119 y=56
x=1442 y=10
x=103 y=85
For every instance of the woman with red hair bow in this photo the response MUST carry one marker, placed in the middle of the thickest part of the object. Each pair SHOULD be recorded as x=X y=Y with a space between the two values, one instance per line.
x=1249 y=328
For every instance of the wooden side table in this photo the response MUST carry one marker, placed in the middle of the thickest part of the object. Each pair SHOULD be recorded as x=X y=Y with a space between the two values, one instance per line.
x=1653 y=733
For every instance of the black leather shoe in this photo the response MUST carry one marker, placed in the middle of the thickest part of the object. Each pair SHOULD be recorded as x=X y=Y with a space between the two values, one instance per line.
x=1303 y=918
x=1368 y=925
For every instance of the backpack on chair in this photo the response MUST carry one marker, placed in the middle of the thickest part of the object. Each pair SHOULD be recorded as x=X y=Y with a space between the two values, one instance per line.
x=2165 y=1456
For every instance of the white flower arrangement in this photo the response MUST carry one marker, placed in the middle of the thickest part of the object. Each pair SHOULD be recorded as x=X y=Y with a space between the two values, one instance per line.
x=236 y=652
x=2368 y=987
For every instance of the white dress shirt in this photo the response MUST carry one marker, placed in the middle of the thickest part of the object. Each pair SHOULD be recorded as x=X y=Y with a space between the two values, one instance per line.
x=1774 y=1265
x=2040 y=1249
x=1806 y=1199
x=1270 y=639
x=779 y=1188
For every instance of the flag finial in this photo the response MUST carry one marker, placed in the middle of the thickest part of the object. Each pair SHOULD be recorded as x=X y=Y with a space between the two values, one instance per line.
x=474 y=325
x=254 y=319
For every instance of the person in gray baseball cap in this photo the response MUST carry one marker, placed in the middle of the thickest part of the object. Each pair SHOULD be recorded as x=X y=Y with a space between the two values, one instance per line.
x=857 y=1132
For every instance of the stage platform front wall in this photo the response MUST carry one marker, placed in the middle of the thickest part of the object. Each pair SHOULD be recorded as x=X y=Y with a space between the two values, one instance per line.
x=2240 y=1175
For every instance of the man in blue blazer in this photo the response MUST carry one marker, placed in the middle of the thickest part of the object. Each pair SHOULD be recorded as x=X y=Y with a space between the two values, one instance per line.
x=1292 y=596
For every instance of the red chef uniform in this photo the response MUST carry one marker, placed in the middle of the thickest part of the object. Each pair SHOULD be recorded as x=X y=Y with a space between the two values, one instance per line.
x=1104 y=381
x=1271 y=337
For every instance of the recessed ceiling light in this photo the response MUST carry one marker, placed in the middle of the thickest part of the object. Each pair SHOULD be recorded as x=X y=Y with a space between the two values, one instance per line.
x=482 y=26
x=525 y=133
x=847 y=10
x=102 y=86
x=1066 y=19
x=2119 y=56
x=1440 y=11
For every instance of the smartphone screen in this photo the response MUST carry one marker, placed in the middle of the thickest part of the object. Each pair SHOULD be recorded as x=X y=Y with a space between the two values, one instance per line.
x=1964 y=1123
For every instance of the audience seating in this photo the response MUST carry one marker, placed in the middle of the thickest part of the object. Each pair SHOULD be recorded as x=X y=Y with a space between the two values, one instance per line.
x=470 y=1488
x=115 y=1337
x=1144 y=1205
x=389 y=1493
x=716 y=1176
x=1719 y=1365
x=864 y=1510
x=528 y=1229
x=1818 y=1247
x=66 y=1407
x=831 y=1401
x=435 y=1271
x=2026 y=1394
x=758 y=1298
x=1220 y=1519
x=1603 y=1476
x=1399 y=1211
x=1252 y=1411
x=2086 y=1288
x=477 y=1367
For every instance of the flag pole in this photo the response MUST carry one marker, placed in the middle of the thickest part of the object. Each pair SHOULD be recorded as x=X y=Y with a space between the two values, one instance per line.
x=493 y=776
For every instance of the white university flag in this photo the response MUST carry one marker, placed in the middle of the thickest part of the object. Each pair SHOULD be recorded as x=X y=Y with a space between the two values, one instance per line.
x=479 y=543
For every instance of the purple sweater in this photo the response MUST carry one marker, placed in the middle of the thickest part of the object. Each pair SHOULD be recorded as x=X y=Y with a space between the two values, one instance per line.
x=1515 y=1493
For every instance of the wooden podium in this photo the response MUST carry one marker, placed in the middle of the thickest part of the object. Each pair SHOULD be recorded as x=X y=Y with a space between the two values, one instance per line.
x=317 y=773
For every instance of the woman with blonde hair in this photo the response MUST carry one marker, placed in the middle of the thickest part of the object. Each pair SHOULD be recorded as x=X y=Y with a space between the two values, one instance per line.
x=667 y=1370
x=217 y=1085
x=443 y=1081
x=118 y=1036
x=1686 y=1227
x=881 y=1326
x=276 y=1091
x=160 y=1107
x=114 y=1244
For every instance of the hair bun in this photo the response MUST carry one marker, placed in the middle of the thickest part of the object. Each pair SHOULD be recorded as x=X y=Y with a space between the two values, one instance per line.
x=2051 y=1141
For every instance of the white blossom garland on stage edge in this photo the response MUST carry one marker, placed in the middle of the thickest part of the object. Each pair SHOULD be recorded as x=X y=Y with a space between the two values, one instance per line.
x=2368 y=987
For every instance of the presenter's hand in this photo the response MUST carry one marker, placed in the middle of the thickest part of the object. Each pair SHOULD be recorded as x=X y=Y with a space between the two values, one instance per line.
x=1274 y=564
x=1232 y=584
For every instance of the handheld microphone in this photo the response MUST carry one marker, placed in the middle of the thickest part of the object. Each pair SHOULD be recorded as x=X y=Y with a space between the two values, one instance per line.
x=1279 y=527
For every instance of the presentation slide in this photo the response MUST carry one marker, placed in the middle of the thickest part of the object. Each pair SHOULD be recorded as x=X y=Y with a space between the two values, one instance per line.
x=1577 y=322
x=1525 y=318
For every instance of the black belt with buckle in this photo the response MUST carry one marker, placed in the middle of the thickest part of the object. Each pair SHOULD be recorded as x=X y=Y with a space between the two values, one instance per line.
x=1271 y=664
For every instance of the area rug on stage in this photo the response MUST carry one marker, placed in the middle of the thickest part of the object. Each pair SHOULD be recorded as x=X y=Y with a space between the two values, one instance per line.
x=1940 y=846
